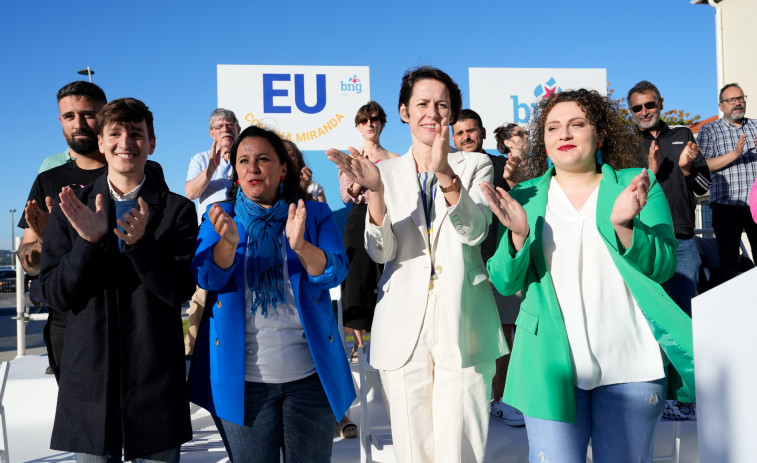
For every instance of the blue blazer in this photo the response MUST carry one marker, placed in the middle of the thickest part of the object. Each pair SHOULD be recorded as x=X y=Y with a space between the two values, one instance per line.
x=217 y=375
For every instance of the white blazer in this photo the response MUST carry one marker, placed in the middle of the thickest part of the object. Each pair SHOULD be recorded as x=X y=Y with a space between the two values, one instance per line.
x=402 y=243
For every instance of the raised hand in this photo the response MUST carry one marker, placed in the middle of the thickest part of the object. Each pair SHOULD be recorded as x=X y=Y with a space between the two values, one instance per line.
x=295 y=227
x=440 y=150
x=654 y=157
x=509 y=212
x=740 y=145
x=511 y=167
x=357 y=168
x=36 y=218
x=631 y=201
x=688 y=155
x=224 y=225
x=90 y=225
x=215 y=156
x=134 y=224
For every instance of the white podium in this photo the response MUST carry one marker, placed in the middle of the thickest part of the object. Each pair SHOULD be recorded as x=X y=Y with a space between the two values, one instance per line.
x=725 y=362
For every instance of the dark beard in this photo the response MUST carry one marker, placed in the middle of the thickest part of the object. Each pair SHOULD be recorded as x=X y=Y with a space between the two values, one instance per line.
x=82 y=146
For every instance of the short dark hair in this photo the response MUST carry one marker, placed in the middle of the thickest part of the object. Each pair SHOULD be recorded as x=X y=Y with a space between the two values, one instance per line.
x=643 y=87
x=369 y=109
x=720 y=95
x=124 y=112
x=502 y=133
x=466 y=114
x=292 y=189
x=427 y=72
x=83 y=88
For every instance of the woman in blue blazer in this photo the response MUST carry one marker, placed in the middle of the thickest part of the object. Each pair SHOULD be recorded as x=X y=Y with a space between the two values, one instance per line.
x=268 y=362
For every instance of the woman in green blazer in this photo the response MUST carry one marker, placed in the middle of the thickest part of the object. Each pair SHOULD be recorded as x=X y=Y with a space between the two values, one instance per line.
x=589 y=241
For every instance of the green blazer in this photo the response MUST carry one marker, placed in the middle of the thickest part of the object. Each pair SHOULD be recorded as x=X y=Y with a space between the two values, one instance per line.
x=540 y=380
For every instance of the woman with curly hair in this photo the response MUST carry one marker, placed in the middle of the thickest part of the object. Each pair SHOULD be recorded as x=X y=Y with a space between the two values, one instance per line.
x=589 y=241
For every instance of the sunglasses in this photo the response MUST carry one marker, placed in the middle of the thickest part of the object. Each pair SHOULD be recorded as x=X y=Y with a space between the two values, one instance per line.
x=520 y=134
x=373 y=120
x=648 y=105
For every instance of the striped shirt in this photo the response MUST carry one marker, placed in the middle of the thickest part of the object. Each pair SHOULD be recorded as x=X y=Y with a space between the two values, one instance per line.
x=731 y=185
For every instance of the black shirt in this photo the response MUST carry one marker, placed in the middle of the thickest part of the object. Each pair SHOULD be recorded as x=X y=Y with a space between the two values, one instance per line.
x=679 y=189
x=490 y=243
x=50 y=182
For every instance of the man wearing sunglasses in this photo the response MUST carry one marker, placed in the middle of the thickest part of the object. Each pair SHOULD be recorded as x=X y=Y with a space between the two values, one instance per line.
x=728 y=144
x=681 y=170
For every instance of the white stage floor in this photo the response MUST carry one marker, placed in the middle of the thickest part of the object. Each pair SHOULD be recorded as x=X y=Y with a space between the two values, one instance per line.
x=30 y=398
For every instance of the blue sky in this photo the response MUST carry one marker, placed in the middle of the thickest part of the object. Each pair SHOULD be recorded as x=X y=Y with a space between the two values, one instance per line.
x=165 y=53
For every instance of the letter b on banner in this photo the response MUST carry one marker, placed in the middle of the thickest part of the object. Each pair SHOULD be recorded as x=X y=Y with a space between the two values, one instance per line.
x=517 y=110
x=269 y=93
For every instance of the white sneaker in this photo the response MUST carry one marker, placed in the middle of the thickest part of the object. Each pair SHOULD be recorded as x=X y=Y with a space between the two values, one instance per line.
x=510 y=415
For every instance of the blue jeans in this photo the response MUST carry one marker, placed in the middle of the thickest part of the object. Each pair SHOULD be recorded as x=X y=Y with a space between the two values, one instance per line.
x=167 y=456
x=620 y=419
x=293 y=417
x=683 y=283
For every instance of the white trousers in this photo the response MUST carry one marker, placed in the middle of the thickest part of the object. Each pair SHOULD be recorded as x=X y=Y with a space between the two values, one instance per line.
x=439 y=411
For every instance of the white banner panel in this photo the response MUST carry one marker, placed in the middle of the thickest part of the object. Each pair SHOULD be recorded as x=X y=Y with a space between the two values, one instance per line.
x=504 y=95
x=314 y=106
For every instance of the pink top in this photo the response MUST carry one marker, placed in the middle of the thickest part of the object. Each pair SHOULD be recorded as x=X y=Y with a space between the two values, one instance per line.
x=753 y=201
x=344 y=190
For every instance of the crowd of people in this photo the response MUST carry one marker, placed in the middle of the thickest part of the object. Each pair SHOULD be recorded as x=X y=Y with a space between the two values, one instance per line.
x=549 y=285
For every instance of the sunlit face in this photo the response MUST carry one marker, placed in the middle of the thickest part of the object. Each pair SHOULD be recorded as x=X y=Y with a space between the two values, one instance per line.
x=468 y=136
x=78 y=117
x=429 y=103
x=518 y=141
x=126 y=147
x=224 y=132
x=259 y=170
x=570 y=139
x=646 y=118
x=370 y=127
x=733 y=104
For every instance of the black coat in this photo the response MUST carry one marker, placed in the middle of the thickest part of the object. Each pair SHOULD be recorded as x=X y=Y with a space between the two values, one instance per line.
x=122 y=378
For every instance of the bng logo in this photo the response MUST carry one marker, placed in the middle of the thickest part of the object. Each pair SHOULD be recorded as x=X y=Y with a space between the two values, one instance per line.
x=543 y=90
x=352 y=85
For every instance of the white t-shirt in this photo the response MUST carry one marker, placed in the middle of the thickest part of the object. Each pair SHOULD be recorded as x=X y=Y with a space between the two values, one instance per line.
x=277 y=350
x=610 y=340
x=220 y=182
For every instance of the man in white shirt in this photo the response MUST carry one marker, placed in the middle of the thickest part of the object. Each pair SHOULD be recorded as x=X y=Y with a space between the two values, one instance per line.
x=208 y=180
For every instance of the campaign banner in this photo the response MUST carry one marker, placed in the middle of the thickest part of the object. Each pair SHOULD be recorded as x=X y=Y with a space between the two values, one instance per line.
x=504 y=95
x=314 y=106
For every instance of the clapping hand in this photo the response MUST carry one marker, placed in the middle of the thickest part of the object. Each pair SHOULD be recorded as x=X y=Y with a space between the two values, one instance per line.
x=688 y=155
x=295 y=227
x=509 y=212
x=631 y=200
x=90 y=225
x=357 y=168
x=224 y=225
x=133 y=223
x=36 y=218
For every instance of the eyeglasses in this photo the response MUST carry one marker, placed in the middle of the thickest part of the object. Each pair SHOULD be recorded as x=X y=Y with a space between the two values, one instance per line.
x=520 y=134
x=734 y=100
x=228 y=125
x=373 y=120
x=648 y=105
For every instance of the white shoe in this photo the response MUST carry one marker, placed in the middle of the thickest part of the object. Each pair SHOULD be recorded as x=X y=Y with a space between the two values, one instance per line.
x=510 y=415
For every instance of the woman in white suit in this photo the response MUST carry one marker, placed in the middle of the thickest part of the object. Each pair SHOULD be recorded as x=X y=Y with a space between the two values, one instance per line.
x=436 y=331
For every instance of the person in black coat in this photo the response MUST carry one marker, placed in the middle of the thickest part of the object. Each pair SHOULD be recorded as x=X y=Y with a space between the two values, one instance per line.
x=116 y=257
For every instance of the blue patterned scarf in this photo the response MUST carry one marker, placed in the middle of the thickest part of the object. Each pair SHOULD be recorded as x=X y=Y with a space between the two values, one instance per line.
x=265 y=263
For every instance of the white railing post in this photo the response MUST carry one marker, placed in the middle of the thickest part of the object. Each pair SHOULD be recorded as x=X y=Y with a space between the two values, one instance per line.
x=20 y=306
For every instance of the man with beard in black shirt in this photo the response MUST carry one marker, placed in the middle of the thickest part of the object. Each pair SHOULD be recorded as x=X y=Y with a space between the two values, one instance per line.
x=78 y=104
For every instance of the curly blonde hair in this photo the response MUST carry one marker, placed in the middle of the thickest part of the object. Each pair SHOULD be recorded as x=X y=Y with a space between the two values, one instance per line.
x=621 y=148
